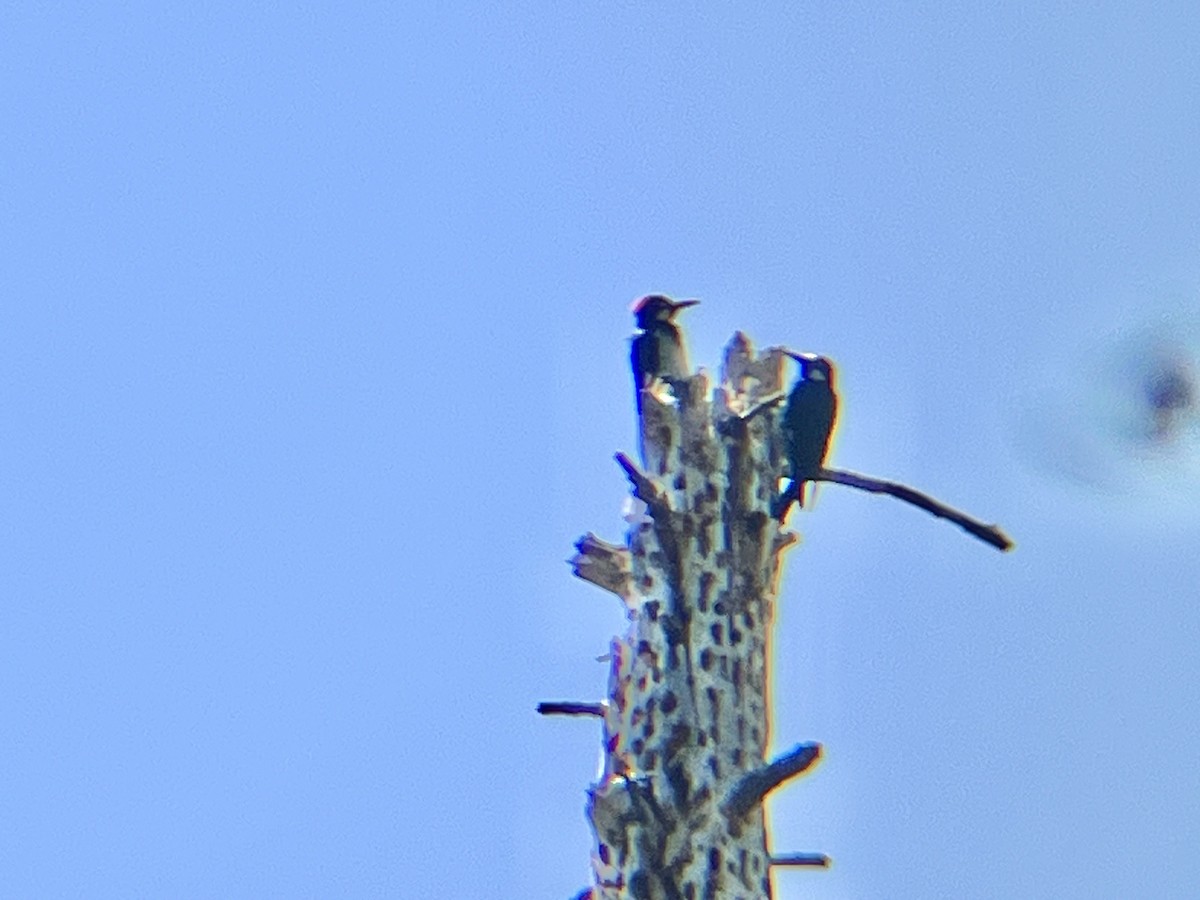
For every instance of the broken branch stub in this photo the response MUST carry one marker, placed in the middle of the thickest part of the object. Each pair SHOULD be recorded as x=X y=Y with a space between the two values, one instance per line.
x=603 y=564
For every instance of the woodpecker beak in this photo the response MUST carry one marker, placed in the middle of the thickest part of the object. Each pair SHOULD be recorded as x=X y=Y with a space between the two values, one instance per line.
x=676 y=306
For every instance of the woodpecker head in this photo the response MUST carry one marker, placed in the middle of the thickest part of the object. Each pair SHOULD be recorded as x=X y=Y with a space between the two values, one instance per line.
x=813 y=367
x=657 y=308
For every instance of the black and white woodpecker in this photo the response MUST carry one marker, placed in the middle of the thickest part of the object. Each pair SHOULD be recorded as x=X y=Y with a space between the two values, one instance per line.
x=808 y=421
x=658 y=351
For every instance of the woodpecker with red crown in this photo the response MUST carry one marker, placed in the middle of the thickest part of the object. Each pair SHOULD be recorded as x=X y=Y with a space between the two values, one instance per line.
x=807 y=423
x=658 y=351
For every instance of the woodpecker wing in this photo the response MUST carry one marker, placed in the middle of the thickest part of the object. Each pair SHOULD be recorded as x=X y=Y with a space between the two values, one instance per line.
x=808 y=424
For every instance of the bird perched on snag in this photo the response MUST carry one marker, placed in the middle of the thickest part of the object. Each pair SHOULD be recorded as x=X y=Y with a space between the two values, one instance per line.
x=807 y=424
x=658 y=351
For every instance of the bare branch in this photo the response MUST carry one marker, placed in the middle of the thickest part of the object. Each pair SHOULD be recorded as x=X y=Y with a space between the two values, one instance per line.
x=815 y=860
x=753 y=787
x=990 y=534
x=567 y=708
x=644 y=487
x=603 y=564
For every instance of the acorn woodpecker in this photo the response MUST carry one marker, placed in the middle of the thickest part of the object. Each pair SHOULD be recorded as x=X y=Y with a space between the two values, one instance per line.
x=808 y=420
x=657 y=352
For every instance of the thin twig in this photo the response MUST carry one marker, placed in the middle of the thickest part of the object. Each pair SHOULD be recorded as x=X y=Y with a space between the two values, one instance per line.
x=990 y=534
x=754 y=786
x=567 y=708
x=817 y=860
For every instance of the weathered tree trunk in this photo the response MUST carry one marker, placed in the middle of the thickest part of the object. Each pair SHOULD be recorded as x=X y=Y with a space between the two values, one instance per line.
x=678 y=809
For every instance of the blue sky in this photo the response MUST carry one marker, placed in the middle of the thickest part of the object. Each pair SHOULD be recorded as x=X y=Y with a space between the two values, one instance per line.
x=313 y=362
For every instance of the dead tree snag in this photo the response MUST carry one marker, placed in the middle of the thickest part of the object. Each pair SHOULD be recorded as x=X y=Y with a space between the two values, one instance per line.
x=678 y=808
x=678 y=811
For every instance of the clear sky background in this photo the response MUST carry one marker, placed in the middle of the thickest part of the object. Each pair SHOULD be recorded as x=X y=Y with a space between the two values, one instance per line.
x=312 y=364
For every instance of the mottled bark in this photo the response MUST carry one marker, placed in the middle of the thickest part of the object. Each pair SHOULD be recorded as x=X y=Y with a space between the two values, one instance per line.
x=678 y=808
